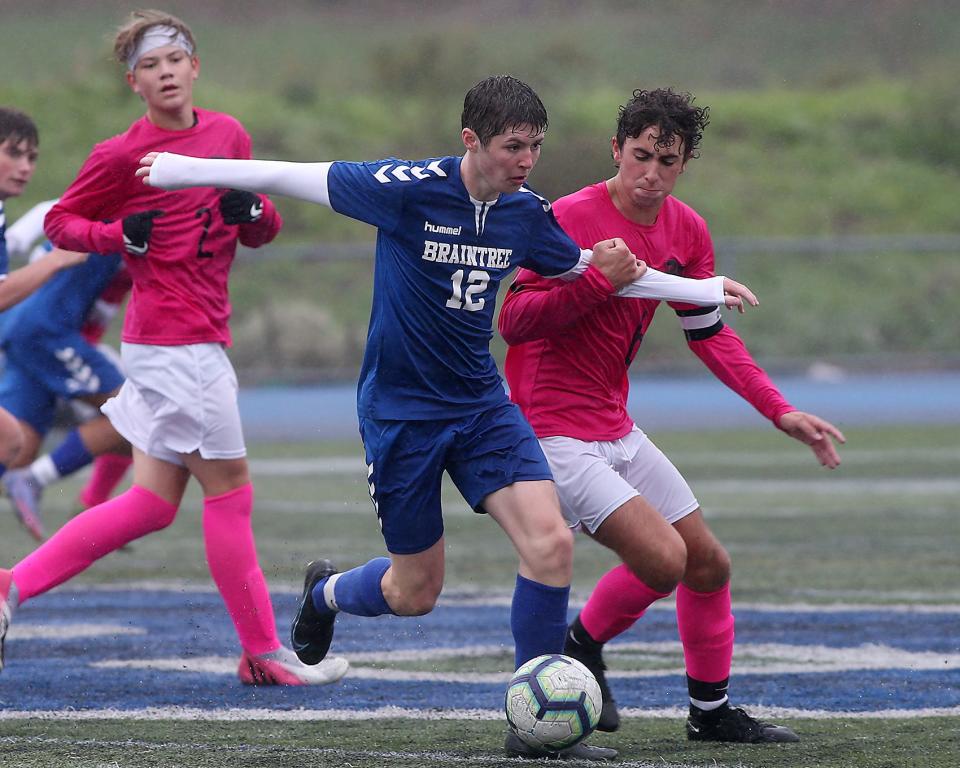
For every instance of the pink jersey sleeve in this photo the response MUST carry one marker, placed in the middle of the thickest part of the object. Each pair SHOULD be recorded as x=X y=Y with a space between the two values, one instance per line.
x=536 y=307
x=76 y=222
x=725 y=354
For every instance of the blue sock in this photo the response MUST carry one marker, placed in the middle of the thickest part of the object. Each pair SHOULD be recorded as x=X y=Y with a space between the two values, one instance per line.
x=357 y=591
x=538 y=619
x=71 y=454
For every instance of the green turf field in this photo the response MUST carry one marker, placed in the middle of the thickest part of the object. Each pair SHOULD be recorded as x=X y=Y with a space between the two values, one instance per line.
x=883 y=529
x=928 y=742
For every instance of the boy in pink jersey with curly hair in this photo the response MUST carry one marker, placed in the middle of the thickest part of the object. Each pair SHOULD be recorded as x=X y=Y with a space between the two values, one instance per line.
x=571 y=345
x=178 y=406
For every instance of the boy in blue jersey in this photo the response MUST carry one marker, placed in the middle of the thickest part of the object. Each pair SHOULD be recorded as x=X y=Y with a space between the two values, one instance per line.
x=430 y=398
x=19 y=142
x=49 y=358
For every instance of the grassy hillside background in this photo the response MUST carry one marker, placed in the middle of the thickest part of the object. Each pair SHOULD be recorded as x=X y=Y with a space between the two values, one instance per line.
x=828 y=120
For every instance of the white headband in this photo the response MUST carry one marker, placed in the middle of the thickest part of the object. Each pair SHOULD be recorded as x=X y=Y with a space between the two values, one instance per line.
x=158 y=36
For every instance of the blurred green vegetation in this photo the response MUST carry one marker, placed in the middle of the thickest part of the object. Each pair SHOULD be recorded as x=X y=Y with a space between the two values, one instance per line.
x=827 y=119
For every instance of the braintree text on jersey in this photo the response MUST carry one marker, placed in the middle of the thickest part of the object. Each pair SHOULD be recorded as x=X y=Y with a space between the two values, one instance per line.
x=467 y=255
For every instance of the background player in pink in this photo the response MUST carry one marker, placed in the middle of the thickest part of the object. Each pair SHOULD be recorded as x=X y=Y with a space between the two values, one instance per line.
x=610 y=477
x=178 y=405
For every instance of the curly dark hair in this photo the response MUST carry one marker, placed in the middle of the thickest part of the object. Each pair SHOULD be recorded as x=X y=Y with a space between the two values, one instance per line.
x=673 y=113
x=501 y=103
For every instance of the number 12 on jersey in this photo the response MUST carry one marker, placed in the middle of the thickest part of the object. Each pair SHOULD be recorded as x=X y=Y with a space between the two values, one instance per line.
x=468 y=297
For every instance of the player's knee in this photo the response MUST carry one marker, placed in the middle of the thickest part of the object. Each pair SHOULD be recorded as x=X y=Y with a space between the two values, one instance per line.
x=11 y=439
x=711 y=569
x=416 y=602
x=549 y=556
x=662 y=568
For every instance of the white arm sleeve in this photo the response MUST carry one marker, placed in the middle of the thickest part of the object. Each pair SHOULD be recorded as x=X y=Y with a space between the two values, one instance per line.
x=304 y=181
x=27 y=229
x=654 y=284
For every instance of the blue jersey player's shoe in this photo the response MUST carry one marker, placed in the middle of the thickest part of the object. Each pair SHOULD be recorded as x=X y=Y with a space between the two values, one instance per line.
x=732 y=724
x=312 y=630
x=517 y=747
x=24 y=491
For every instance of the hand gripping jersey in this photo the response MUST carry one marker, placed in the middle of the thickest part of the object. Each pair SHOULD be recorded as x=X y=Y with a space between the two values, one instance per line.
x=572 y=343
x=180 y=293
x=440 y=257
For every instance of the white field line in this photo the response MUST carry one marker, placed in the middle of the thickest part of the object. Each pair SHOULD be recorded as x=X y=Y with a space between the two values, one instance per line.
x=336 y=465
x=937 y=486
x=751 y=659
x=499 y=598
x=56 y=631
x=232 y=714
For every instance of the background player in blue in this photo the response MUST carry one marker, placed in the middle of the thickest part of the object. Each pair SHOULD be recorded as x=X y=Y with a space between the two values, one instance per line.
x=19 y=149
x=430 y=398
x=48 y=358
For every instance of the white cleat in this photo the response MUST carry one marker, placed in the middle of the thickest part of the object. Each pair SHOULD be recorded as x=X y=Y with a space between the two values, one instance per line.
x=276 y=669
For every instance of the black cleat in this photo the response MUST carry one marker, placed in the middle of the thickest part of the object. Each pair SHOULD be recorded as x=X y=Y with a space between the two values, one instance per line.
x=591 y=656
x=733 y=724
x=517 y=747
x=312 y=631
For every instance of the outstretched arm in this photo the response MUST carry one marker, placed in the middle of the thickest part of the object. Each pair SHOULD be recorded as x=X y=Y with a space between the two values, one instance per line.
x=20 y=283
x=304 y=181
x=646 y=283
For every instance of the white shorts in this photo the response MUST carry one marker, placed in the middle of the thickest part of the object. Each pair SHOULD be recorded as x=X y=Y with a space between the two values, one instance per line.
x=594 y=479
x=177 y=400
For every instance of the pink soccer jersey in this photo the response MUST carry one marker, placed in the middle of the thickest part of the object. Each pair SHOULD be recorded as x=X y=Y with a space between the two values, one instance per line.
x=180 y=293
x=571 y=343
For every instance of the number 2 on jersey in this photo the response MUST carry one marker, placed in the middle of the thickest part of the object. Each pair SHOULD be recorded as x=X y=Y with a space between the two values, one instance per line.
x=468 y=299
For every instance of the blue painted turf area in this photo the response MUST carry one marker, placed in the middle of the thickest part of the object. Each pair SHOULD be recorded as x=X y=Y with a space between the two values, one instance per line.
x=56 y=672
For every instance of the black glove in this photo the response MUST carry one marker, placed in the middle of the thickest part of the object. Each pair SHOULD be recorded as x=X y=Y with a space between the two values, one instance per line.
x=136 y=231
x=239 y=207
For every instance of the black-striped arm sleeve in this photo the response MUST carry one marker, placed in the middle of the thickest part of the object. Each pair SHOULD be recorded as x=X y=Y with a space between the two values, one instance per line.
x=700 y=323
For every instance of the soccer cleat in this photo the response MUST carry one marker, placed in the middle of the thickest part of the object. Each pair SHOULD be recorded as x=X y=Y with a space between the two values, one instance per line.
x=517 y=747
x=728 y=723
x=24 y=493
x=591 y=656
x=256 y=670
x=312 y=631
x=7 y=604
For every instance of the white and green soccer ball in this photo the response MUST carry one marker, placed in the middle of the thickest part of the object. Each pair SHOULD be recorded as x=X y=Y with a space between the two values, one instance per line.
x=553 y=702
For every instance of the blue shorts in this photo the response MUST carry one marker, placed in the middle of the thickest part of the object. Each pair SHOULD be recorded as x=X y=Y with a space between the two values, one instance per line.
x=482 y=453
x=43 y=369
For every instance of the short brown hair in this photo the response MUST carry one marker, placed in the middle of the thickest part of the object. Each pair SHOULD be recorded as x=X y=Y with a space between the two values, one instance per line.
x=17 y=126
x=131 y=32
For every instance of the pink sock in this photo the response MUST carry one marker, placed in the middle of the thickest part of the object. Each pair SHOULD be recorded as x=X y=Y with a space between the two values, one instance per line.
x=706 y=631
x=618 y=600
x=89 y=536
x=108 y=471
x=232 y=558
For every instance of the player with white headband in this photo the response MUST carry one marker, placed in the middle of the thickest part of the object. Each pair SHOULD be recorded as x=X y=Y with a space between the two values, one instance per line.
x=178 y=407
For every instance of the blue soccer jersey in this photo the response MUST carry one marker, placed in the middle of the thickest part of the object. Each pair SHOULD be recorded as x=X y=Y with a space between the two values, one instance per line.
x=4 y=257
x=440 y=257
x=62 y=303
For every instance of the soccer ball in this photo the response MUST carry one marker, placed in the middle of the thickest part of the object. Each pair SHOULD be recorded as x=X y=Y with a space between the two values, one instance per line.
x=553 y=702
